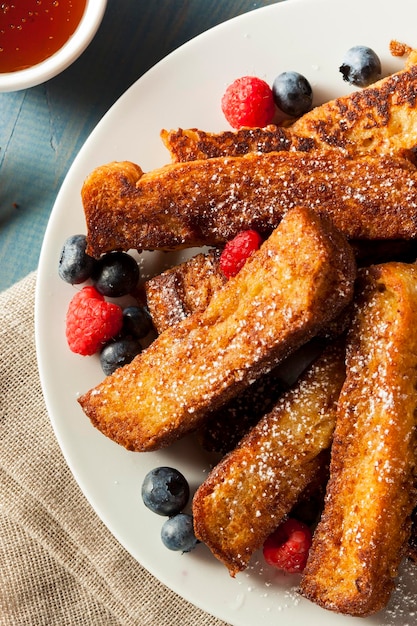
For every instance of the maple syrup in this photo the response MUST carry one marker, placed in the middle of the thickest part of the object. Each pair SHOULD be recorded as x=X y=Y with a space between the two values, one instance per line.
x=33 y=30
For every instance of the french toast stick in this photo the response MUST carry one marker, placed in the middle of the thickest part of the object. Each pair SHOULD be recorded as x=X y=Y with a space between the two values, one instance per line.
x=247 y=494
x=299 y=279
x=365 y=526
x=188 y=287
x=192 y=144
x=381 y=118
x=209 y=201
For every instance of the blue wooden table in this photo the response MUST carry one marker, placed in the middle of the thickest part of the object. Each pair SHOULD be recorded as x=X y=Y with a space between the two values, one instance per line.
x=43 y=128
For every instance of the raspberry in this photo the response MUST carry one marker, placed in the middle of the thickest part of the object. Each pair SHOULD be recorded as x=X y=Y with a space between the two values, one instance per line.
x=248 y=101
x=237 y=250
x=91 y=321
x=287 y=548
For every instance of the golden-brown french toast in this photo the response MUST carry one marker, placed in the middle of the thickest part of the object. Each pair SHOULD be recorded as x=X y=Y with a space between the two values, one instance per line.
x=188 y=287
x=298 y=280
x=192 y=144
x=381 y=118
x=207 y=202
x=365 y=526
x=183 y=289
x=249 y=492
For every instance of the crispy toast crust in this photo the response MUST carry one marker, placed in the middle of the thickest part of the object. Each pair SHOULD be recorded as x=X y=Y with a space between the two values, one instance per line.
x=250 y=491
x=299 y=279
x=209 y=201
x=192 y=144
x=365 y=526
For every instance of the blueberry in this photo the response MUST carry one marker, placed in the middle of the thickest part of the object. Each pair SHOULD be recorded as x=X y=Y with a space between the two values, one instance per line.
x=137 y=321
x=117 y=353
x=165 y=491
x=75 y=266
x=292 y=93
x=115 y=274
x=177 y=533
x=360 y=66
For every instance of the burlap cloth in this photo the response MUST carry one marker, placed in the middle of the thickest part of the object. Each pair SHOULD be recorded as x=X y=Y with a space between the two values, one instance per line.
x=59 y=565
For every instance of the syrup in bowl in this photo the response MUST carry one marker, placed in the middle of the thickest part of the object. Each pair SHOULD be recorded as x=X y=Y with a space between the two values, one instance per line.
x=33 y=30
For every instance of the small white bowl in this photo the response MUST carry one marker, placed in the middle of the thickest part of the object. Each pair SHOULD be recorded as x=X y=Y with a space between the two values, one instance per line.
x=60 y=60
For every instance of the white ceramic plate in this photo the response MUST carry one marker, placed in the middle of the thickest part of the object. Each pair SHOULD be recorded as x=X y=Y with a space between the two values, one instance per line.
x=184 y=90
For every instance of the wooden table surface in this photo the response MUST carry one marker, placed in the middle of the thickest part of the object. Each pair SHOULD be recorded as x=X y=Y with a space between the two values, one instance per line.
x=43 y=128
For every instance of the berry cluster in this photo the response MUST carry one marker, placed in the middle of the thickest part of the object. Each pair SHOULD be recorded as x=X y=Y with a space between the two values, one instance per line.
x=251 y=102
x=93 y=324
